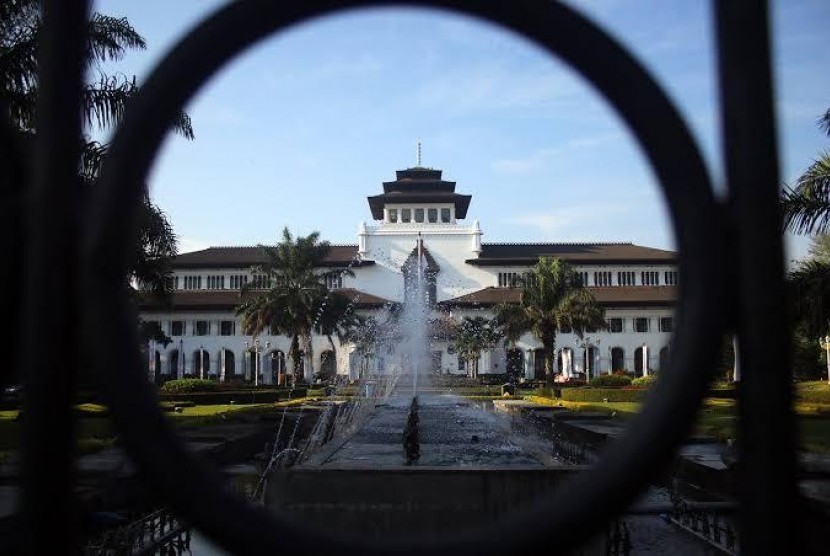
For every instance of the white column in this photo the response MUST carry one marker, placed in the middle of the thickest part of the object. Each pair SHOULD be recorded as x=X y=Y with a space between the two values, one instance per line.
x=221 y=372
x=645 y=360
x=569 y=361
x=529 y=367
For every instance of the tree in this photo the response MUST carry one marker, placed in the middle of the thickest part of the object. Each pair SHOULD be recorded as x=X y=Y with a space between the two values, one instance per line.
x=288 y=295
x=364 y=333
x=102 y=105
x=807 y=205
x=553 y=299
x=473 y=336
x=807 y=211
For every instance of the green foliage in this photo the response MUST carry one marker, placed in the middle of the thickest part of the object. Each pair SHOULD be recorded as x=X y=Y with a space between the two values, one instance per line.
x=809 y=361
x=813 y=392
x=553 y=299
x=589 y=394
x=241 y=397
x=474 y=335
x=190 y=385
x=288 y=295
x=612 y=381
x=644 y=380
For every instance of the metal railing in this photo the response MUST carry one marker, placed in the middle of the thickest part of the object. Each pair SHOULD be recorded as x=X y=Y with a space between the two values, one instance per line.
x=730 y=263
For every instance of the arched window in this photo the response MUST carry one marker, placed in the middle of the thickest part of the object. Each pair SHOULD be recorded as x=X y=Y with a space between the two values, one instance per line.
x=229 y=364
x=617 y=359
x=173 y=362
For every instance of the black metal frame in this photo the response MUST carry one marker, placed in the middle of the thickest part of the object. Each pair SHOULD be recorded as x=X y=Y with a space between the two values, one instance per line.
x=730 y=262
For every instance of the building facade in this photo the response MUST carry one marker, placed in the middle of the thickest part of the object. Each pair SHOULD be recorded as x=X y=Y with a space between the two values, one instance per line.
x=636 y=285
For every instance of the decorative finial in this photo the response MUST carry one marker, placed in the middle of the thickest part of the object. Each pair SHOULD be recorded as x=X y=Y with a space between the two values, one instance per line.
x=419 y=153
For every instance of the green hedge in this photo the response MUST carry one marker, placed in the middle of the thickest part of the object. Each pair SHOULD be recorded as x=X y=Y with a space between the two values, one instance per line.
x=190 y=385
x=813 y=395
x=647 y=380
x=589 y=394
x=610 y=381
x=238 y=396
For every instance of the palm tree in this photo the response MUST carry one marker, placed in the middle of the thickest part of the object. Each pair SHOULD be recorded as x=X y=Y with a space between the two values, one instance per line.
x=553 y=299
x=473 y=336
x=102 y=104
x=288 y=295
x=807 y=205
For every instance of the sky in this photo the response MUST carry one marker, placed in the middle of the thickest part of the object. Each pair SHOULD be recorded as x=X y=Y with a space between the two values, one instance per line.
x=301 y=128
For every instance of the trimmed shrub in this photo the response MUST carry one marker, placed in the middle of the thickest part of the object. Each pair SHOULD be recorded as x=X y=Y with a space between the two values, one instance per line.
x=492 y=379
x=190 y=385
x=233 y=396
x=603 y=394
x=610 y=381
x=647 y=380
x=813 y=393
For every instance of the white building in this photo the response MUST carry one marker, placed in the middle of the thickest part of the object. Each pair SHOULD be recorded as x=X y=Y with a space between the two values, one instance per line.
x=636 y=285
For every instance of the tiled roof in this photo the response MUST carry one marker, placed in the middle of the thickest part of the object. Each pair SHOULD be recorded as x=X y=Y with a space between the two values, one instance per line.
x=219 y=300
x=247 y=256
x=506 y=254
x=613 y=296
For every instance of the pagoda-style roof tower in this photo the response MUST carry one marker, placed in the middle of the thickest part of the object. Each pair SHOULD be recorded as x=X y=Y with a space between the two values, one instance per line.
x=419 y=187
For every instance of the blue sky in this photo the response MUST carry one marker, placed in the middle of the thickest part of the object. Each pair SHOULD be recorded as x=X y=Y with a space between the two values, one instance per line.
x=301 y=128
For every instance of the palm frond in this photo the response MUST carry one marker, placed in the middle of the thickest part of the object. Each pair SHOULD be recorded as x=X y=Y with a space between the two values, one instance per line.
x=806 y=206
x=110 y=37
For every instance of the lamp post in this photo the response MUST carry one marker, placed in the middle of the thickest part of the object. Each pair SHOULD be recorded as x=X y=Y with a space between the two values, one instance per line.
x=825 y=345
x=586 y=345
x=256 y=347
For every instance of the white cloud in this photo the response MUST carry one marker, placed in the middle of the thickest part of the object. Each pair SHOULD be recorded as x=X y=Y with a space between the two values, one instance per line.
x=576 y=223
x=534 y=162
x=188 y=244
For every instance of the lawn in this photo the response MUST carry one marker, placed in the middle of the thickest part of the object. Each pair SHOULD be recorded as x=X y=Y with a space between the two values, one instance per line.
x=718 y=418
x=95 y=430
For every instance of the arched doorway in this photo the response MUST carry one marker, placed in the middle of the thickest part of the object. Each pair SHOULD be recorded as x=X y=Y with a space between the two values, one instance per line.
x=591 y=361
x=617 y=359
x=201 y=363
x=278 y=366
x=664 y=358
x=173 y=363
x=515 y=363
x=228 y=365
x=157 y=370
x=252 y=366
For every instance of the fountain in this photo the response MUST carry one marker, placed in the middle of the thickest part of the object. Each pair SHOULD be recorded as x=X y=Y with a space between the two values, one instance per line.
x=405 y=459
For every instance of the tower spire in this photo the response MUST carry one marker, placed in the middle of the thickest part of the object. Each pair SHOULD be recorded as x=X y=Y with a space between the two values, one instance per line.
x=419 y=153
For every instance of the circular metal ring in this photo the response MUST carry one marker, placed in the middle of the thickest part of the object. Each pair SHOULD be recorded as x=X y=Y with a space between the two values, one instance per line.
x=581 y=505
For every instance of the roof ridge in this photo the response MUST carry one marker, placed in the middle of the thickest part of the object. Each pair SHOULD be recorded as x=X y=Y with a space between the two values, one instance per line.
x=258 y=245
x=562 y=243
